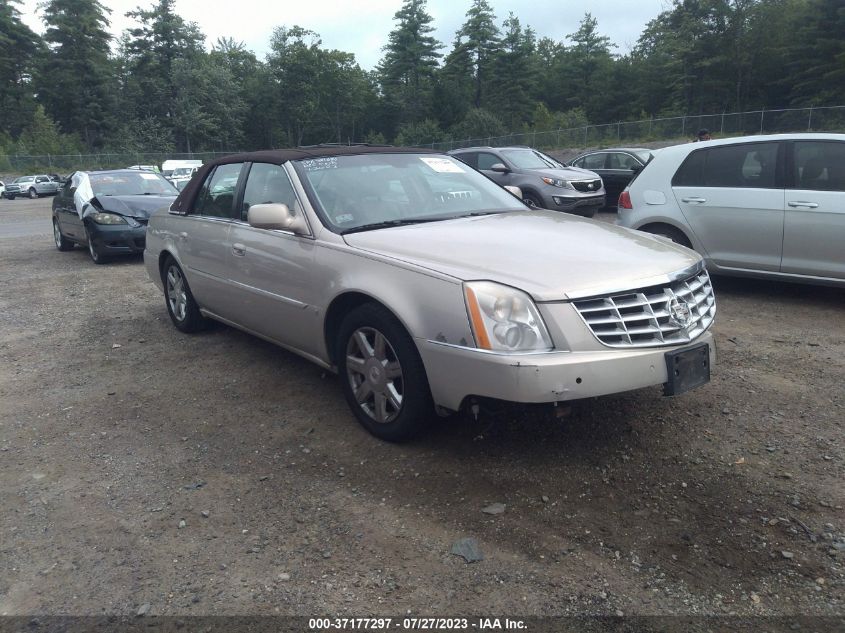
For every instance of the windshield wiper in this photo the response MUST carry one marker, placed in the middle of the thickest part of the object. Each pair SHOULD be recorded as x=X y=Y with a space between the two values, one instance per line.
x=390 y=223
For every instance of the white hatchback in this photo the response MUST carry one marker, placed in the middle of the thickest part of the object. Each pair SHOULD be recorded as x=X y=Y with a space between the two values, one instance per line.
x=758 y=206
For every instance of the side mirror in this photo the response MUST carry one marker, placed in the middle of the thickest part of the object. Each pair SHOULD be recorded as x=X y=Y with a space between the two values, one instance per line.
x=276 y=216
x=499 y=168
x=515 y=191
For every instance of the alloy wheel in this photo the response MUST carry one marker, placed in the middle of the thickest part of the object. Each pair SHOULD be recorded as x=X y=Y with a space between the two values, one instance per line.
x=375 y=374
x=177 y=296
x=57 y=234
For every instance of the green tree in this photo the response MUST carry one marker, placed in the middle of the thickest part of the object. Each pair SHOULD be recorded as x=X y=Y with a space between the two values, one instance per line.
x=76 y=82
x=478 y=124
x=421 y=133
x=514 y=77
x=42 y=136
x=478 y=38
x=588 y=64
x=411 y=57
x=151 y=49
x=19 y=51
x=208 y=110
x=816 y=67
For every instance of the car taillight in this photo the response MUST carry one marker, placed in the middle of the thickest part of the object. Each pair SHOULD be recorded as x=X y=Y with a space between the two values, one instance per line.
x=625 y=200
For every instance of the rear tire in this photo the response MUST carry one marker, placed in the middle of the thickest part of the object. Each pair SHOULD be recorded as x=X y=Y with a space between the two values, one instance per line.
x=181 y=305
x=382 y=374
x=62 y=243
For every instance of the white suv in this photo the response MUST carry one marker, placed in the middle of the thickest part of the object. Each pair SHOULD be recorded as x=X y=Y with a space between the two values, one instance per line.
x=757 y=206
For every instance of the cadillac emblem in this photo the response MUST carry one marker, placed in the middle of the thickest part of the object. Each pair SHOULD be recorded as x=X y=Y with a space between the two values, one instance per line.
x=680 y=314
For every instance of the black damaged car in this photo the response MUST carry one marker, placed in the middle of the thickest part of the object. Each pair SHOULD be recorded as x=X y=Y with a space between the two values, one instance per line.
x=108 y=211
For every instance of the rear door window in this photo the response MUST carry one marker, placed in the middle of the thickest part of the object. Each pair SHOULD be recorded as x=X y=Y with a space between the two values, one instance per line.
x=216 y=198
x=819 y=165
x=620 y=160
x=751 y=165
x=593 y=161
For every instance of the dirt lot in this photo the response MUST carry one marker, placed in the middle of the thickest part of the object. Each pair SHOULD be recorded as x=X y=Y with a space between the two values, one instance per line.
x=115 y=428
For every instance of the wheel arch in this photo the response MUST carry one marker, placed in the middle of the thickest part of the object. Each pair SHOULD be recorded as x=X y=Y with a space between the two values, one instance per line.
x=650 y=227
x=342 y=305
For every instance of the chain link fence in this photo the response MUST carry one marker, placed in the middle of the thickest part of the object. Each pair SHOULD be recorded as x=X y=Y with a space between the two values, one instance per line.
x=824 y=119
x=66 y=163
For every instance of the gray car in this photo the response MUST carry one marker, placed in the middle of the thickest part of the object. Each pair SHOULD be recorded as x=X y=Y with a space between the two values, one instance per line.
x=545 y=183
x=426 y=286
x=32 y=187
x=755 y=206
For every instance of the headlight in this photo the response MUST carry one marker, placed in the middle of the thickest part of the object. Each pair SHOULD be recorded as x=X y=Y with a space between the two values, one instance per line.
x=554 y=182
x=107 y=218
x=505 y=319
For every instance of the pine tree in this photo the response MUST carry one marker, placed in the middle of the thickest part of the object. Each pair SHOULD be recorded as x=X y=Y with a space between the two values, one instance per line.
x=76 y=83
x=411 y=57
x=19 y=50
x=479 y=38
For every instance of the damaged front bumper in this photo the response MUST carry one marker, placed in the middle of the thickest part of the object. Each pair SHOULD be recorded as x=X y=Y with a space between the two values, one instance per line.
x=456 y=373
x=118 y=239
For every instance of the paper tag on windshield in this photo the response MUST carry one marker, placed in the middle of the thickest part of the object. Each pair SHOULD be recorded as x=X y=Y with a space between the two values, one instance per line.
x=442 y=165
x=149 y=176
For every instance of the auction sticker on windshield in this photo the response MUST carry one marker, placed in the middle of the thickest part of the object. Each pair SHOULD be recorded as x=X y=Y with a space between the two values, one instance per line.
x=442 y=165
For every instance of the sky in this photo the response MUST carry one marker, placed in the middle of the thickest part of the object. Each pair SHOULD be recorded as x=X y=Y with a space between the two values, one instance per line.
x=362 y=26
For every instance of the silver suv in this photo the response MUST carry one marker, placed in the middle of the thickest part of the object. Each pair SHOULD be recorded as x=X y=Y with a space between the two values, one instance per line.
x=545 y=183
x=425 y=285
x=32 y=187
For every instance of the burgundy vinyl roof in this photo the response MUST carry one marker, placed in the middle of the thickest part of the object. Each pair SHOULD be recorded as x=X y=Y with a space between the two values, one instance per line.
x=280 y=156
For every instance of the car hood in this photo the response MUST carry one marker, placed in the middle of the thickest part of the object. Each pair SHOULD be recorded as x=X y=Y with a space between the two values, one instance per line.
x=567 y=173
x=132 y=206
x=552 y=256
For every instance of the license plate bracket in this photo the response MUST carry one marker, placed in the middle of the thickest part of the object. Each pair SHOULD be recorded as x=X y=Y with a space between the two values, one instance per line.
x=687 y=369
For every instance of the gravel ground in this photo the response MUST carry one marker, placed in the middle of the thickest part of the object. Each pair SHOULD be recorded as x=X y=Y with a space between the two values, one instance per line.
x=217 y=474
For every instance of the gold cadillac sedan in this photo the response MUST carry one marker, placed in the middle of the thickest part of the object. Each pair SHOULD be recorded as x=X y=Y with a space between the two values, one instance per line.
x=426 y=286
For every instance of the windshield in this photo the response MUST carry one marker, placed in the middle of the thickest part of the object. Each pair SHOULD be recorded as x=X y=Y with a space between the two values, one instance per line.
x=131 y=184
x=182 y=171
x=370 y=189
x=25 y=179
x=530 y=159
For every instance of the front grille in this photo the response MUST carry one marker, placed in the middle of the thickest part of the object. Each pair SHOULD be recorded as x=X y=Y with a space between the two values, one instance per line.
x=586 y=186
x=652 y=316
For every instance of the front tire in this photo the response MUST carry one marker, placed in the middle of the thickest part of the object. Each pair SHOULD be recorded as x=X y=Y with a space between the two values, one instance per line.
x=96 y=256
x=532 y=201
x=382 y=374
x=33 y=194
x=181 y=305
x=62 y=243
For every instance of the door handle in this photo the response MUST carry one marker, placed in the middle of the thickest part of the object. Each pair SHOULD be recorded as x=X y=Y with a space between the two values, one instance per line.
x=798 y=203
x=183 y=236
x=239 y=250
x=695 y=200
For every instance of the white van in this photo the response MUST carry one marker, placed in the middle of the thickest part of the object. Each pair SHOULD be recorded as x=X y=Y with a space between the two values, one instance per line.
x=169 y=166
